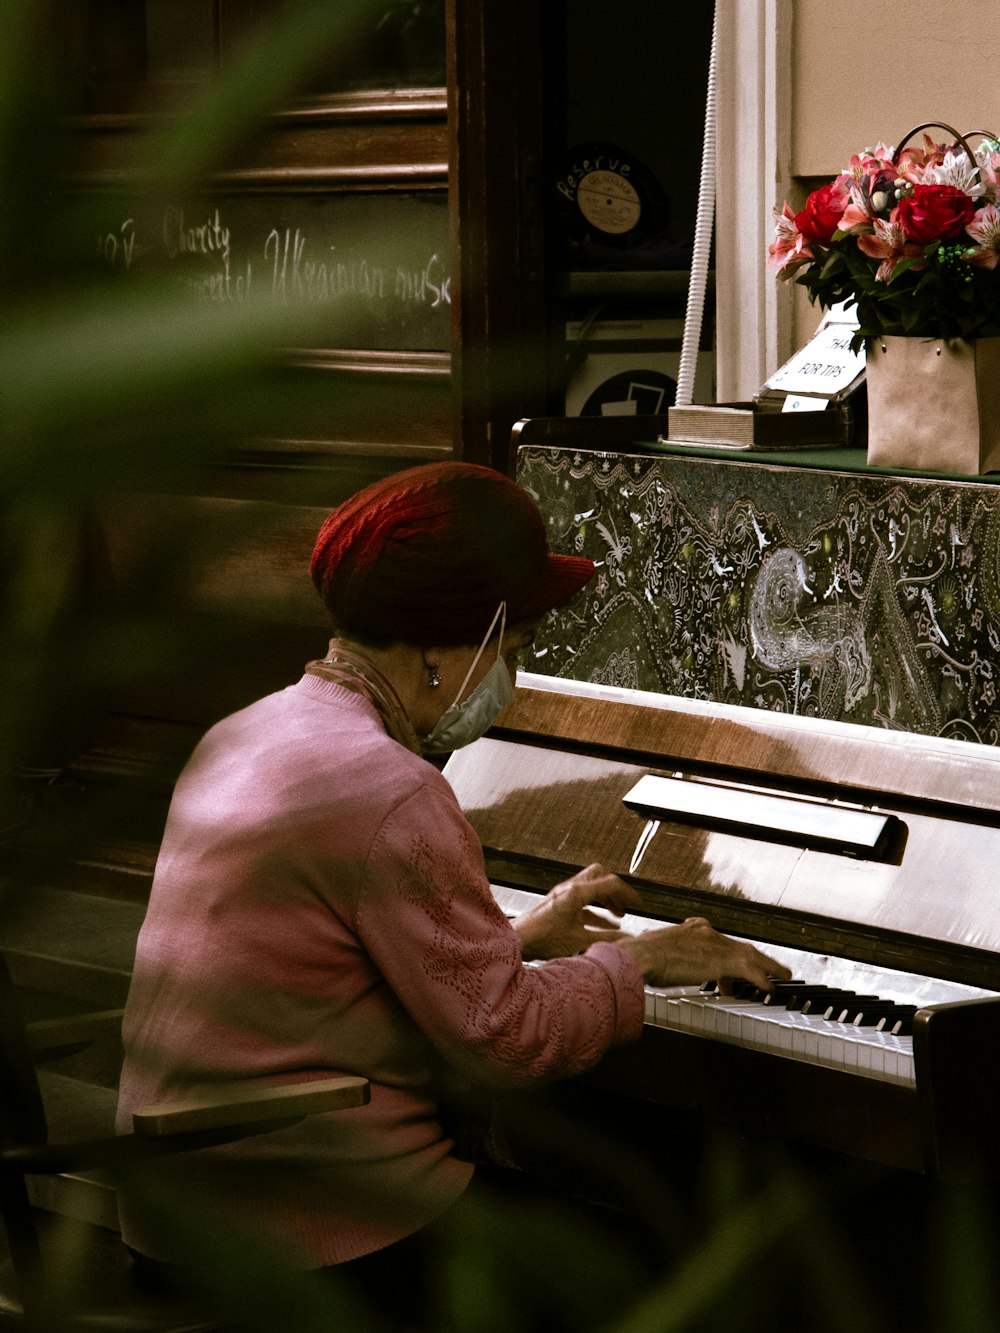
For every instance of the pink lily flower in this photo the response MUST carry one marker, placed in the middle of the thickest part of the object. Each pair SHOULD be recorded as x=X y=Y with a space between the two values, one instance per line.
x=856 y=218
x=889 y=244
x=985 y=231
x=989 y=170
x=789 y=248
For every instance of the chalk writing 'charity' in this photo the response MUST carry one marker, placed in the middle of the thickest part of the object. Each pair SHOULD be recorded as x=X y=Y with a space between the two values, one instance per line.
x=207 y=238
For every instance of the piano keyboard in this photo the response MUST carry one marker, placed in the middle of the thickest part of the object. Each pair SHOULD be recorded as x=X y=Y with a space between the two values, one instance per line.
x=808 y=1037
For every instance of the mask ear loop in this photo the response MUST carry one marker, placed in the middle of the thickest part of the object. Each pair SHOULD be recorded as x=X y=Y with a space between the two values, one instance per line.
x=501 y=615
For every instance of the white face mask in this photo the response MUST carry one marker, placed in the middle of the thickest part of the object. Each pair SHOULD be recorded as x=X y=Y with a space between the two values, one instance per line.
x=466 y=720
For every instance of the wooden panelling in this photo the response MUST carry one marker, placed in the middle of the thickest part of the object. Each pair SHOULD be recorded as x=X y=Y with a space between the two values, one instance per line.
x=209 y=605
x=371 y=142
x=360 y=404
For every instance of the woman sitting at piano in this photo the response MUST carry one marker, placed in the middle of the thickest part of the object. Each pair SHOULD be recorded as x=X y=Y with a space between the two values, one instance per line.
x=320 y=903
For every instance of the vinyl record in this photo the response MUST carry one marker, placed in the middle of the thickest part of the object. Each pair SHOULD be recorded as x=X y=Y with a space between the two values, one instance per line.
x=604 y=192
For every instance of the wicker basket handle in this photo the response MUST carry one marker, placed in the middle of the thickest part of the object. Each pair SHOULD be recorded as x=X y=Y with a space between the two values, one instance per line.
x=963 y=139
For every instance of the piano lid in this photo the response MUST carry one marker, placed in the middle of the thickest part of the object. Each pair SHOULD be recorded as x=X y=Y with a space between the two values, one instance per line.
x=552 y=788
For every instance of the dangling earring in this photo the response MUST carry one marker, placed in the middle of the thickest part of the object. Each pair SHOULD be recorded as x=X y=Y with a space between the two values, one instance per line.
x=433 y=675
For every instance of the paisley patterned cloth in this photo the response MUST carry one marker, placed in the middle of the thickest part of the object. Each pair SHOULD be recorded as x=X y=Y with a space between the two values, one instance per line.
x=847 y=595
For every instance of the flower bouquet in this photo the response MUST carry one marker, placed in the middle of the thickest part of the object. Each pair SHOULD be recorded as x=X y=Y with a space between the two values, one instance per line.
x=911 y=238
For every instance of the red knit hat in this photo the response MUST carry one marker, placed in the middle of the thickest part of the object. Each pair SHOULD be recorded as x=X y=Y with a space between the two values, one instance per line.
x=426 y=556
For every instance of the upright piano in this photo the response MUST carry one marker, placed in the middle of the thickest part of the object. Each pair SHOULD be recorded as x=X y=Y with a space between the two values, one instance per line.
x=866 y=860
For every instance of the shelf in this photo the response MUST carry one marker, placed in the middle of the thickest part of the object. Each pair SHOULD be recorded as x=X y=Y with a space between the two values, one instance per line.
x=630 y=284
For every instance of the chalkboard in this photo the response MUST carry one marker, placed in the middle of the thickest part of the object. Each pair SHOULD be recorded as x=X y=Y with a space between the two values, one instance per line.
x=380 y=262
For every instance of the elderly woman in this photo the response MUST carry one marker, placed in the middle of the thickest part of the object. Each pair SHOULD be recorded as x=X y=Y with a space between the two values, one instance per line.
x=320 y=903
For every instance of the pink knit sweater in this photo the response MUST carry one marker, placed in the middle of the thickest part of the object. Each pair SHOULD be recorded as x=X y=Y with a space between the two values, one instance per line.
x=320 y=906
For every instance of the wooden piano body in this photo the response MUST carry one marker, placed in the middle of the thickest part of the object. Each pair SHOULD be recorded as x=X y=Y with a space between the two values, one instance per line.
x=915 y=916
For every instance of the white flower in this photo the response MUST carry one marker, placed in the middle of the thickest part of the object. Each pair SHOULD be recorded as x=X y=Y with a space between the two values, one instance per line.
x=957 y=170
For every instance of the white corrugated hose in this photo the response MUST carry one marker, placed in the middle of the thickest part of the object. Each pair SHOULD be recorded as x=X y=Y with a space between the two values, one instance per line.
x=702 y=251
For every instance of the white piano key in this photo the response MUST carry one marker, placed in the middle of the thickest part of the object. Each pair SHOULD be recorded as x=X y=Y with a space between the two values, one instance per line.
x=799 y=1035
x=876 y=1059
x=687 y=1019
x=668 y=1011
x=898 y=1059
x=866 y=1054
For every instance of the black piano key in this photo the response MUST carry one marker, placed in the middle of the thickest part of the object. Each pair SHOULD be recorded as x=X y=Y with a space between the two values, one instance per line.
x=807 y=995
x=823 y=999
x=896 y=1018
x=847 y=1012
x=784 y=989
x=746 y=990
x=838 y=1012
x=895 y=1011
x=837 y=1001
x=871 y=1013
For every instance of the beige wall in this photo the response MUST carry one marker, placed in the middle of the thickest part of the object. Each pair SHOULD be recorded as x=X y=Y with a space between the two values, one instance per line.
x=864 y=71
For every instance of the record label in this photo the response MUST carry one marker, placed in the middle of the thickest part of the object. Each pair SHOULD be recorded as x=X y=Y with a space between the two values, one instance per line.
x=608 y=202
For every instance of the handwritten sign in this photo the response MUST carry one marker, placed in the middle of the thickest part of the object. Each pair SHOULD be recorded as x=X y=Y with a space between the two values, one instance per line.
x=381 y=264
x=825 y=365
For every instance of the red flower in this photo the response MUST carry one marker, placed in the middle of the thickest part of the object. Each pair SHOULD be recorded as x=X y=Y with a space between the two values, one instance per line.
x=821 y=216
x=934 y=213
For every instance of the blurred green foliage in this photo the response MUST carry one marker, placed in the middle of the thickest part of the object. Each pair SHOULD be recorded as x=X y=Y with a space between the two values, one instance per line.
x=107 y=384
x=104 y=386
